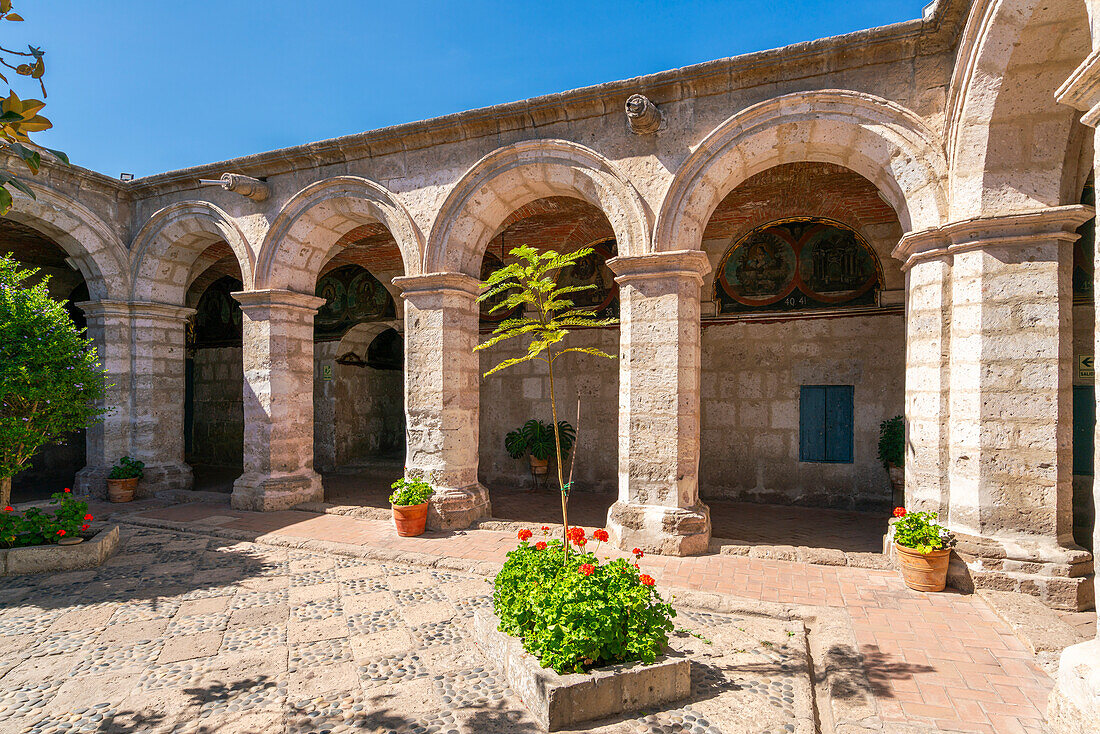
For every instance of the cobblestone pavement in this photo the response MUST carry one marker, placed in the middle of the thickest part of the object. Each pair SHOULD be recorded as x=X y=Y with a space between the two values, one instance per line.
x=938 y=662
x=192 y=633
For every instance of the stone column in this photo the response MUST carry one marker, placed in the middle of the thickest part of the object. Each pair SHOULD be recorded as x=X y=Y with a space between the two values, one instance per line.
x=442 y=394
x=159 y=335
x=1075 y=702
x=1011 y=361
x=109 y=439
x=658 y=509
x=927 y=373
x=278 y=401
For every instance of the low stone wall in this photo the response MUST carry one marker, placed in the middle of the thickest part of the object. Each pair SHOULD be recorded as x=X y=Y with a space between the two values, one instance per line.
x=559 y=701
x=46 y=558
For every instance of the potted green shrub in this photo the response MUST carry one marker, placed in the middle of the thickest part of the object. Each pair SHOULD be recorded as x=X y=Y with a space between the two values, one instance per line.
x=123 y=479
x=409 y=503
x=891 y=452
x=535 y=439
x=923 y=549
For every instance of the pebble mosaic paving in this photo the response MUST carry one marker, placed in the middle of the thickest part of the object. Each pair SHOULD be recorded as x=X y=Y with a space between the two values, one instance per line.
x=193 y=634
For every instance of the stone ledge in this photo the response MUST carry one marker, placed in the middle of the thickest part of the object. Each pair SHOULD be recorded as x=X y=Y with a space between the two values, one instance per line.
x=1038 y=626
x=47 y=558
x=559 y=701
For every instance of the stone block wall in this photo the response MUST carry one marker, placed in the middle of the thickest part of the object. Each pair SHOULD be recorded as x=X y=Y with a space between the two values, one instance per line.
x=752 y=373
x=217 y=433
x=511 y=397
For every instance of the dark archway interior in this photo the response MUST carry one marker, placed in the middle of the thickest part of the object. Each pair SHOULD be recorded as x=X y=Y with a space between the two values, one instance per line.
x=55 y=466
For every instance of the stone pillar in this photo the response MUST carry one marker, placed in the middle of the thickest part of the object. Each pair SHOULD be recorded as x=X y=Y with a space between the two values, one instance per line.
x=159 y=335
x=278 y=401
x=109 y=439
x=658 y=509
x=442 y=395
x=1075 y=701
x=1011 y=421
x=927 y=346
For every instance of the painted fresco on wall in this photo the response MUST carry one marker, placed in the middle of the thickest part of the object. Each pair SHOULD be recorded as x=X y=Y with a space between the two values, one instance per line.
x=592 y=270
x=1083 y=250
x=217 y=321
x=489 y=264
x=352 y=296
x=795 y=265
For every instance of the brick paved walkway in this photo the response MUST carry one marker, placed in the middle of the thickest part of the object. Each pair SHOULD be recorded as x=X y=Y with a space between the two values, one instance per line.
x=940 y=661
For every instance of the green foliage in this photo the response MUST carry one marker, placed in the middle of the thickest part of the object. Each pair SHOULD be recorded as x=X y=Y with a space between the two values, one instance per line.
x=530 y=281
x=536 y=437
x=19 y=117
x=891 y=442
x=127 y=468
x=38 y=527
x=410 y=492
x=572 y=621
x=50 y=376
x=921 y=532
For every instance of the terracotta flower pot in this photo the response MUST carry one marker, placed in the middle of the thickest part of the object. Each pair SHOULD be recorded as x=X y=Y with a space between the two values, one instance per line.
x=538 y=466
x=121 y=490
x=410 y=519
x=923 y=571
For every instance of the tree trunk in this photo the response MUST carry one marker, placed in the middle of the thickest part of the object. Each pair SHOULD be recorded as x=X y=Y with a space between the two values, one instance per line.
x=5 y=491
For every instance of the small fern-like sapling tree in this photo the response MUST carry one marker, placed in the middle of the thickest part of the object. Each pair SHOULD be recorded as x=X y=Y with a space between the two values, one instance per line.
x=546 y=317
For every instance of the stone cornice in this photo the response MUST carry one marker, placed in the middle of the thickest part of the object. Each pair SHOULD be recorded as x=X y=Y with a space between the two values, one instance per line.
x=934 y=34
x=1008 y=230
x=279 y=298
x=432 y=282
x=678 y=263
x=136 y=309
x=1082 y=90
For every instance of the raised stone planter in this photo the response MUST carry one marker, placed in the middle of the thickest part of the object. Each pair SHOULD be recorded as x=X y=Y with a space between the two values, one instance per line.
x=44 y=558
x=560 y=701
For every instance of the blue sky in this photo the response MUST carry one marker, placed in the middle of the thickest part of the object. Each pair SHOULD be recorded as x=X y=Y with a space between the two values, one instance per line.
x=146 y=86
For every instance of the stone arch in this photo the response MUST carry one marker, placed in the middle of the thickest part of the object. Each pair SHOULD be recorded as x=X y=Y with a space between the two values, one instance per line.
x=309 y=226
x=359 y=337
x=96 y=250
x=170 y=243
x=1007 y=135
x=516 y=175
x=880 y=140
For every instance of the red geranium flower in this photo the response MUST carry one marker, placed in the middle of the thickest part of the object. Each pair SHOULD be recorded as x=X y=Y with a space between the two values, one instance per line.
x=541 y=545
x=600 y=535
x=545 y=528
x=524 y=534
x=646 y=579
x=67 y=489
x=638 y=552
x=586 y=569
x=88 y=517
x=84 y=526
x=9 y=508
x=899 y=512
x=576 y=536
x=60 y=532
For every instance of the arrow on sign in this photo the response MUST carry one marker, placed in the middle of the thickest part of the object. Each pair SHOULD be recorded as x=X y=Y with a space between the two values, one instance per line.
x=1087 y=362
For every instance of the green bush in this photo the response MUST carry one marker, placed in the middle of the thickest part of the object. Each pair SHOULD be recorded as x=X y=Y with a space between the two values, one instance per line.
x=536 y=437
x=574 y=614
x=127 y=468
x=920 y=531
x=891 y=442
x=38 y=527
x=410 y=492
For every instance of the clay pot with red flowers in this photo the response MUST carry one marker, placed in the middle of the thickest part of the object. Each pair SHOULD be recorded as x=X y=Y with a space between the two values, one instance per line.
x=409 y=503
x=922 y=548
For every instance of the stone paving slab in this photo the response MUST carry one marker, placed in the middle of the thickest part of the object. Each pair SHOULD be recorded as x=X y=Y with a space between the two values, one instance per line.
x=318 y=652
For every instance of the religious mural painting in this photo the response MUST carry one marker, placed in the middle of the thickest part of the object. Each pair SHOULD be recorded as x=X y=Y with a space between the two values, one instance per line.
x=592 y=270
x=352 y=296
x=797 y=264
x=217 y=320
